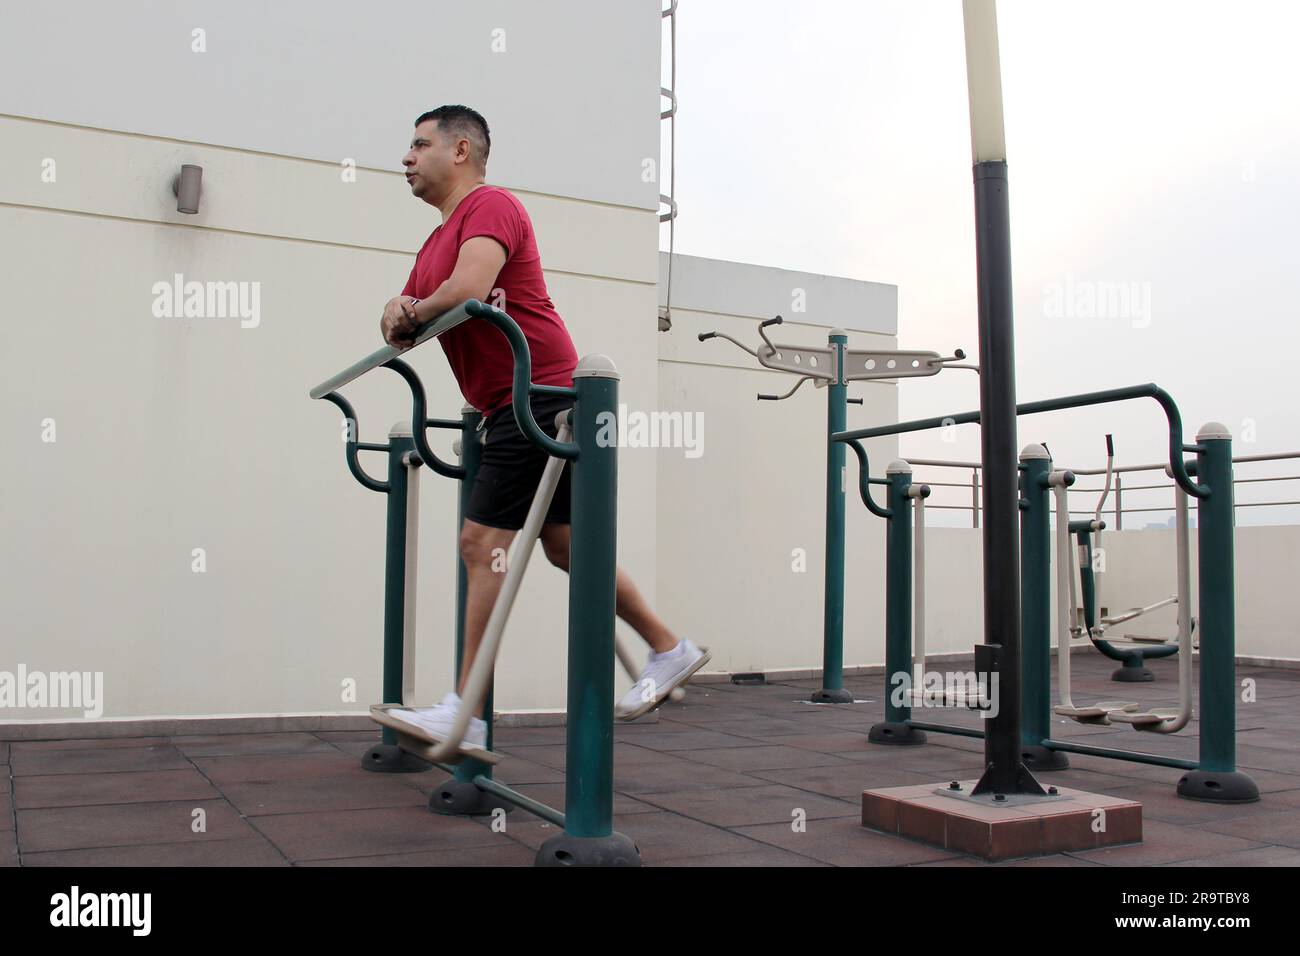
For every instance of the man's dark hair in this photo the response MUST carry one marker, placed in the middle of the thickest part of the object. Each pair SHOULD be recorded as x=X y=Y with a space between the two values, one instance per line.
x=463 y=121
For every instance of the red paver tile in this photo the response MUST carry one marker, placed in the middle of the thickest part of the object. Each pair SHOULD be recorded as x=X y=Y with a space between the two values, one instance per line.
x=671 y=741
x=1053 y=860
x=668 y=838
x=837 y=780
x=506 y=854
x=552 y=794
x=752 y=858
x=843 y=841
x=88 y=743
x=1280 y=828
x=75 y=828
x=349 y=736
x=213 y=745
x=746 y=806
x=340 y=834
x=264 y=767
x=98 y=760
x=681 y=775
x=247 y=851
x=88 y=789
x=1166 y=843
x=834 y=742
x=352 y=792
x=1257 y=856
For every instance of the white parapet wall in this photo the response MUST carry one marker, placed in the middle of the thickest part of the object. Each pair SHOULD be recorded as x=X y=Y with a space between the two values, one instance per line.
x=1137 y=568
x=741 y=526
x=178 y=515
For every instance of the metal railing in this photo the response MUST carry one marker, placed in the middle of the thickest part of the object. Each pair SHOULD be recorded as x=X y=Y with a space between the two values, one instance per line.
x=1117 y=509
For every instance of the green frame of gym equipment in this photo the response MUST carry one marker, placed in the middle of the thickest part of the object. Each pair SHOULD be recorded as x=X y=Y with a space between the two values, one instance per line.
x=588 y=838
x=877 y=365
x=1214 y=776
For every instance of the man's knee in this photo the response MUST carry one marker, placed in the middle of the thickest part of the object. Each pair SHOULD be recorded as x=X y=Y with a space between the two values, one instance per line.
x=479 y=545
x=556 y=548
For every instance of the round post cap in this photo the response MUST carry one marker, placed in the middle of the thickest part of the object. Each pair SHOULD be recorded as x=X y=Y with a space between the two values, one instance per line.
x=596 y=366
x=1034 y=452
x=1214 y=431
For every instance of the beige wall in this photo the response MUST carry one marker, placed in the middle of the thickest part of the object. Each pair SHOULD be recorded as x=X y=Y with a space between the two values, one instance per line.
x=1140 y=570
x=175 y=434
x=328 y=79
x=732 y=520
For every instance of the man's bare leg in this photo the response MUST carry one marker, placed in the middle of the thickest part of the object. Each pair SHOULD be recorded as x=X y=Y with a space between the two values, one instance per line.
x=629 y=603
x=483 y=550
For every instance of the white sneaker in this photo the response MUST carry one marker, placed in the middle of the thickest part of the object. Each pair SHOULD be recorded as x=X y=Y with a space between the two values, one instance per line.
x=663 y=673
x=437 y=722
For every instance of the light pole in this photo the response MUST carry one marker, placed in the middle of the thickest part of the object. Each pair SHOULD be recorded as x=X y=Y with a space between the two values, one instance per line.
x=1000 y=653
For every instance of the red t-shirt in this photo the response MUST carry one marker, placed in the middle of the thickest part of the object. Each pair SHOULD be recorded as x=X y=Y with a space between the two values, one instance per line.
x=479 y=355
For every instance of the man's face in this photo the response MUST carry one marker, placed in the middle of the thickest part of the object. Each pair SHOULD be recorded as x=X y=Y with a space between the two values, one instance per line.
x=430 y=166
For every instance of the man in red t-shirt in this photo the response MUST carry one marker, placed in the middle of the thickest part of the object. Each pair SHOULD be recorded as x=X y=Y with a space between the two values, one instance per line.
x=485 y=249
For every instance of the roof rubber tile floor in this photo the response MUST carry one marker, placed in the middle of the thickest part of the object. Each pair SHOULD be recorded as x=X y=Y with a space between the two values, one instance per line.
x=731 y=776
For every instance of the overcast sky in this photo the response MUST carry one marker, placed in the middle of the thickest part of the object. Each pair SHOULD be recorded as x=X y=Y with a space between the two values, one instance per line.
x=1154 y=150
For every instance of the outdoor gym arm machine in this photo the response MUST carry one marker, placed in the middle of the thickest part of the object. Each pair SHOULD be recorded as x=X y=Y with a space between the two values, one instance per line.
x=832 y=367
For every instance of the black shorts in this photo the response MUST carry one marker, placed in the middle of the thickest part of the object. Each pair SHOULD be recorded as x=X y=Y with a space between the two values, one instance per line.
x=511 y=468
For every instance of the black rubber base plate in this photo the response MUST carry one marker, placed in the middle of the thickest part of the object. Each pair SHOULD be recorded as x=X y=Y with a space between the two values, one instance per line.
x=1209 y=786
x=1132 y=675
x=390 y=758
x=460 y=798
x=564 y=850
x=1041 y=758
x=838 y=696
x=900 y=735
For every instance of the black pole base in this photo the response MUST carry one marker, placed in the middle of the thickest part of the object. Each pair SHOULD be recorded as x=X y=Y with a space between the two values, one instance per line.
x=565 y=850
x=1218 y=786
x=832 y=696
x=1133 y=672
x=460 y=798
x=1019 y=780
x=1043 y=758
x=390 y=758
x=900 y=735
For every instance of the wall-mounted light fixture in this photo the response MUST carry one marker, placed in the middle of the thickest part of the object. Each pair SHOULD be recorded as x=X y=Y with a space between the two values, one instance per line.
x=186 y=188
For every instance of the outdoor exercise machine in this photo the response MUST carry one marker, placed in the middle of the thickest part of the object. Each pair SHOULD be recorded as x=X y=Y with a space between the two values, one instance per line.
x=1104 y=712
x=587 y=821
x=1131 y=651
x=1213 y=776
x=832 y=367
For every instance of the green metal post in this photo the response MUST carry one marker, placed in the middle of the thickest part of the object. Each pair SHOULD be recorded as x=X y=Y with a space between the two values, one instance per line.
x=387 y=757
x=898 y=613
x=1217 y=778
x=832 y=689
x=589 y=838
x=399 y=446
x=1036 y=611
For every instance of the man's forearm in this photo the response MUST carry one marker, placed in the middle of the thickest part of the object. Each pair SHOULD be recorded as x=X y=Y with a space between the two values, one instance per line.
x=443 y=299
